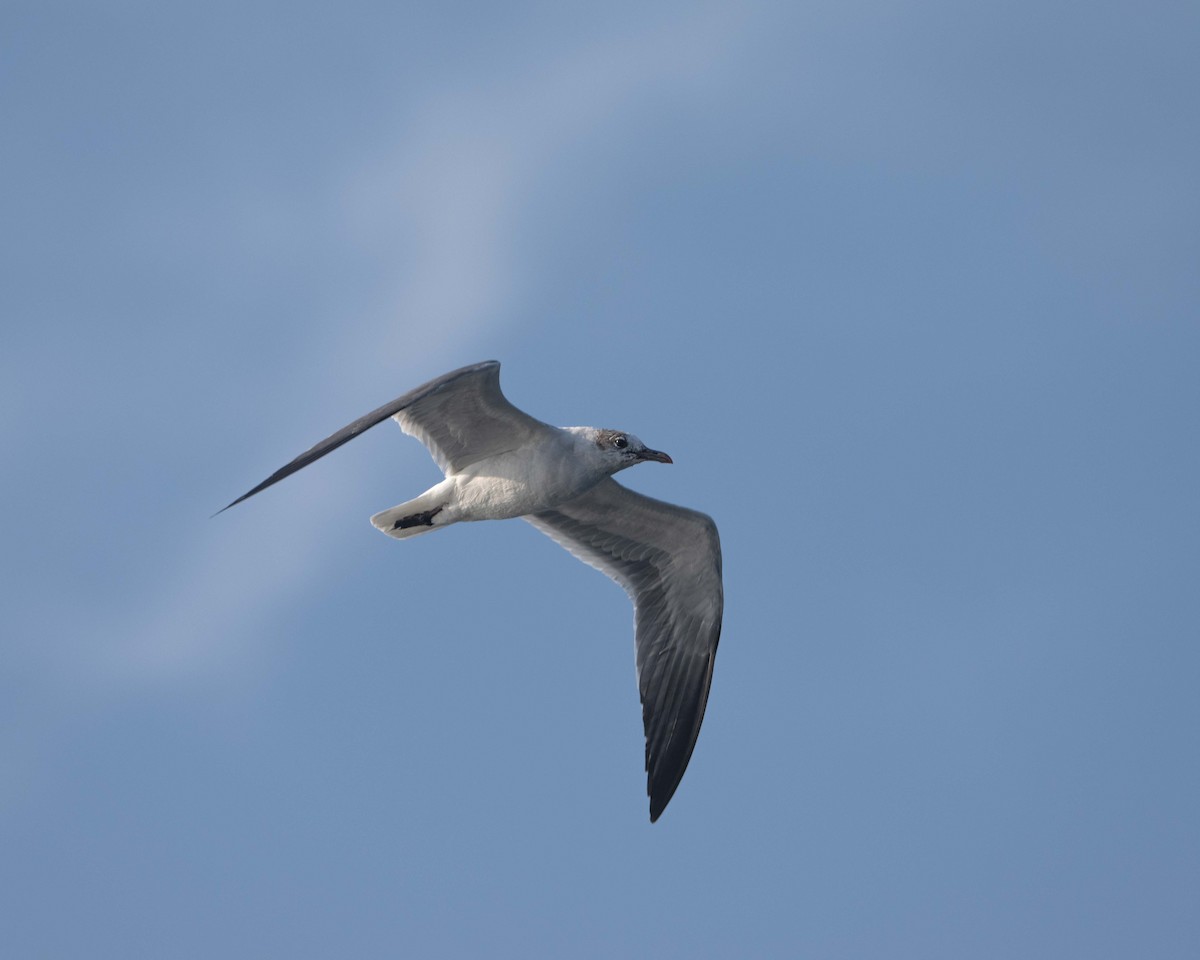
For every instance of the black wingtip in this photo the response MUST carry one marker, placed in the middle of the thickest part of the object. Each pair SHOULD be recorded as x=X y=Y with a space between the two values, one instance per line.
x=659 y=800
x=362 y=424
x=227 y=506
x=271 y=480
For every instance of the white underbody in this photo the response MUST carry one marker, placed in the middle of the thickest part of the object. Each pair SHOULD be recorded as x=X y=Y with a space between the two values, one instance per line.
x=538 y=476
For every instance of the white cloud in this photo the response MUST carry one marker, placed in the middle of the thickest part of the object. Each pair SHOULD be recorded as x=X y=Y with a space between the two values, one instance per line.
x=443 y=203
x=440 y=206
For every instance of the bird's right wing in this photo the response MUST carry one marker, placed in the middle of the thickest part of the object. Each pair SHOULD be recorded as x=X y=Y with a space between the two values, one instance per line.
x=668 y=559
x=461 y=417
x=467 y=418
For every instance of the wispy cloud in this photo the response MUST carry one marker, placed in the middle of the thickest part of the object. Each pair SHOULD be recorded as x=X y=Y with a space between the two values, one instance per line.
x=439 y=205
x=443 y=204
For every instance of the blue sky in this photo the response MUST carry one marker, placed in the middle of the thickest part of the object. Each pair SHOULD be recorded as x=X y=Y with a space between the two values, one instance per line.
x=909 y=291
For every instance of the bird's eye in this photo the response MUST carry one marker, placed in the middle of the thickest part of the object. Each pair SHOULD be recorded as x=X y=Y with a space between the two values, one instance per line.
x=620 y=442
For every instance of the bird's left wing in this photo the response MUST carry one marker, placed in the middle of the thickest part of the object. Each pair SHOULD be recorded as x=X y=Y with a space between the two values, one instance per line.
x=668 y=559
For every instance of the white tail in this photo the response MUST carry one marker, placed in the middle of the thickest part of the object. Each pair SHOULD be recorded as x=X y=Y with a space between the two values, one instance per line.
x=415 y=517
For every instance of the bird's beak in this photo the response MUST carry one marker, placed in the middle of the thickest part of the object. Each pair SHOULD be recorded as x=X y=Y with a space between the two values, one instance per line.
x=656 y=455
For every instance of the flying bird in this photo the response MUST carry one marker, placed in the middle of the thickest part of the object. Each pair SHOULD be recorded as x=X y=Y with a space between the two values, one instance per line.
x=500 y=463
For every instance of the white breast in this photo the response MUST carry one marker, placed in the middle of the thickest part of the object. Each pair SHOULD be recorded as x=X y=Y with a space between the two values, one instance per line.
x=523 y=481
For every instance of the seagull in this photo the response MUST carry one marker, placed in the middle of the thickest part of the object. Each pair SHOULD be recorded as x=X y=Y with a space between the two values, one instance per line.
x=500 y=463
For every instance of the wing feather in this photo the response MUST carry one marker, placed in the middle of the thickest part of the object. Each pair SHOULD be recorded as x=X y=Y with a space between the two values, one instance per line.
x=461 y=417
x=468 y=420
x=668 y=559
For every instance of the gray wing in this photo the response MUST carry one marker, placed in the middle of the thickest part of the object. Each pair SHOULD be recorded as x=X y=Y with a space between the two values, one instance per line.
x=461 y=417
x=467 y=419
x=668 y=559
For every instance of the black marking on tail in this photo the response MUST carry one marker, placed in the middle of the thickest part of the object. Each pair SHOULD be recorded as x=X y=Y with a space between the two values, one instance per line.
x=423 y=519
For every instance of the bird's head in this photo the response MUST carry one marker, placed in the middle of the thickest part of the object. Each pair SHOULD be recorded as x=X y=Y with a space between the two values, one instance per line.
x=619 y=450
